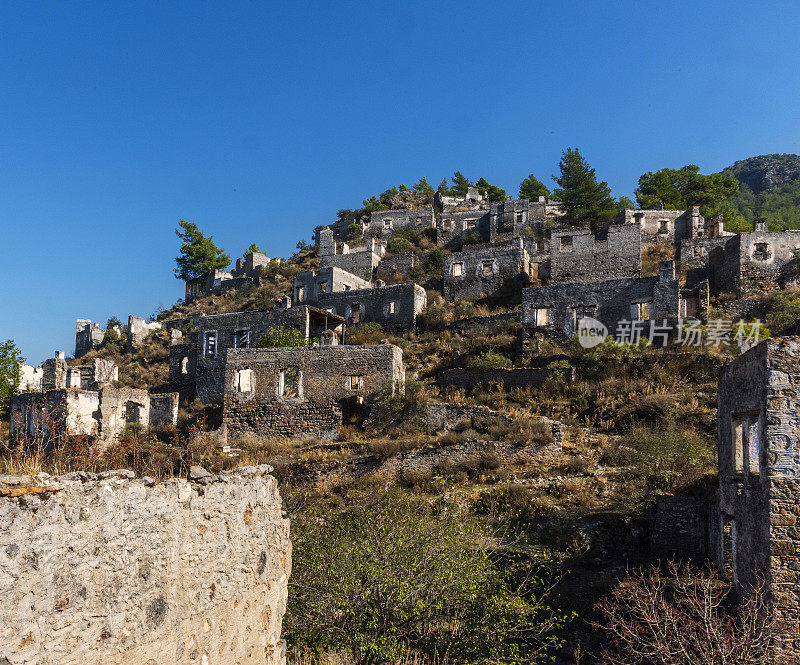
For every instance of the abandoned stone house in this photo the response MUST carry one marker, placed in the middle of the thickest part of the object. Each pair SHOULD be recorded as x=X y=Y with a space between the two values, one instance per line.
x=558 y=309
x=101 y=413
x=383 y=223
x=283 y=392
x=483 y=270
x=197 y=360
x=578 y=255
x=309 y=285
x=754 y=527
x=57 y=373
x=360 y=261
x=756 y=261
x=473 y=200
x=395 y=307
x=248 y=271
x=659 y=226
x=89 y=336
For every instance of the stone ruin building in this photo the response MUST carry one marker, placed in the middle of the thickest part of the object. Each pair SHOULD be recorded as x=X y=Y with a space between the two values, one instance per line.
x=358 y=260
x=559 y=308
x=89 y=336
x=753 y=528
x=248 y=272
x=83 y=400
x=197 y=359
x=283 y=392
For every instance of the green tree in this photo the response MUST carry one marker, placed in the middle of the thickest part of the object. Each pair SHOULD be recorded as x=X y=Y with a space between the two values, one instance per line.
x=199 y=254
x=460 y=184
x=388 y=197
x=372 y=204
x=281 y=337
x=386 y=575
x=532 y=188
x=494 y=192
x=253 y=249
x=443 y=189
x=586 y=201
x=624 y=203
x=10 y=361
x=678 y=189
x=423 y=187
x=345 y=214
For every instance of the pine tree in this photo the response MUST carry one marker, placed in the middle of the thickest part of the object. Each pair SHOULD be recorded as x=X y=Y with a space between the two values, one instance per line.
x=586 y=201
x=443 y=189
x=493 y=191
x=253 y=249
x=423 y=187
x=199 y=254
x=460 y=184
x=10 y=361
x=532 y=188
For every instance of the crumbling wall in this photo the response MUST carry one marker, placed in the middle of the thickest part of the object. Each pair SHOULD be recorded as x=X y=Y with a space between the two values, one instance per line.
x=481 y=270
x=88 y=336
x=309 y=285
x=581 y=256
x=383 y=223
x=285 y=392
x=138 y=330
x=102 y=570
x=558 y=308
x=395 y=306
x=759 y=474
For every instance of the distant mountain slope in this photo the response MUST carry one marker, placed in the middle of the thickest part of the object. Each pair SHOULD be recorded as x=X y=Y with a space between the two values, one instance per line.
x=769 y=186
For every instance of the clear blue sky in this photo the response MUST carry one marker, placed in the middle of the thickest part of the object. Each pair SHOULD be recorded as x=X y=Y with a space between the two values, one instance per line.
x=258 y=120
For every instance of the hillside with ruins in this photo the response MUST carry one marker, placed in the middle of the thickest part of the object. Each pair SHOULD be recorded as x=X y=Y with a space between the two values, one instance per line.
x=490 y=409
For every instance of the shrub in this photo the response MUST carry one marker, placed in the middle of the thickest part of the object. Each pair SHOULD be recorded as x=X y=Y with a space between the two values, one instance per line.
x=783 y=317
x=489 y=360
x=366 y=333
x=397 y=245
x=386 y=575
x=281 y=337
x=436 y=259
x=683 y=618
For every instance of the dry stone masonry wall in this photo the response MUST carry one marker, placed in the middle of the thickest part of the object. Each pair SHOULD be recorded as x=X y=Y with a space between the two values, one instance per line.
x=105 y=569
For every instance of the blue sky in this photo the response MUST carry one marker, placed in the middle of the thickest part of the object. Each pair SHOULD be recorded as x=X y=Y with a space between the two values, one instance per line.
x=258 y=120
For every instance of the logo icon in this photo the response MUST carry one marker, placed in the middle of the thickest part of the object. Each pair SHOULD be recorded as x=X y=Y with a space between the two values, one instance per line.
x=591 y=332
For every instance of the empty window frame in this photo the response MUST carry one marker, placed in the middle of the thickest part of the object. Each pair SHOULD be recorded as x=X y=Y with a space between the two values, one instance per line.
x=355 y=382
x=419 y=221
x=290 y=383
x=387 y=224
x=520 y=217
x=746 y=443
x=457 y=269
x=737 y=444
x=241 y=338
x=210 y=344
x=541 y=316
x=243 y=381
x=390 y=308
x=663 y=226
x=323 y=287
x=185 y=365
x=300 y=296
x=566 y=243
x=697 y=252
x=355 y=312
x=761 y=251
x=447 y=225
x=640 y=311
x=581 y=312
x=133 y=413
x=487 y=267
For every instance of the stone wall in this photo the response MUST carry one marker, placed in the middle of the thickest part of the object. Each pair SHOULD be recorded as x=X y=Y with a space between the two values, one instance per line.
x=103 y=413
x=679 y=528
x=394 y=306
x=88 y=336
x=482 y=270
x=383 y=223
x=759 y=475
x=393 y=268
x=696 y=258
x=452 y=228
x=138 y=330
x=310 y=285
x=109 y=569
x=758 y=261
x=558 y=308
x=286 y=392
x=581 y=256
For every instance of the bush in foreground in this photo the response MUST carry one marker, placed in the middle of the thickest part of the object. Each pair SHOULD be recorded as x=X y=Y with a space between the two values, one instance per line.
x=385 y=576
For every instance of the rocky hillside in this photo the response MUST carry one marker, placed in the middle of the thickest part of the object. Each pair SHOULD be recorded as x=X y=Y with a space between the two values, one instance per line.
x=769 y=186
